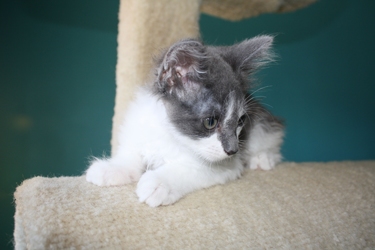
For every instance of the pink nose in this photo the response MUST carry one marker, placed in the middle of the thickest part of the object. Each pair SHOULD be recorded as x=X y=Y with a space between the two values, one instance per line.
x=231 y=152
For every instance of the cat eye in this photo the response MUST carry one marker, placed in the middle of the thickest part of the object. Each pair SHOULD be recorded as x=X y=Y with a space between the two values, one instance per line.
x=241 y=121
x=210 y=123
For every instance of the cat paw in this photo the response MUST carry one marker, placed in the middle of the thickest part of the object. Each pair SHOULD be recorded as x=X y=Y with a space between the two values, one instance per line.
x=153 y=191
x=263 y=161
x=102 y=173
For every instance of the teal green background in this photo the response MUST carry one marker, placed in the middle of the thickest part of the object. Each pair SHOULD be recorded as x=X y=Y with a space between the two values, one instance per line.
x=57 y=75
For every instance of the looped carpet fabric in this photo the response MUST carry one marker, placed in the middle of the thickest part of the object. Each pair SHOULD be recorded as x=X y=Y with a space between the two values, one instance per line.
x=295 y=206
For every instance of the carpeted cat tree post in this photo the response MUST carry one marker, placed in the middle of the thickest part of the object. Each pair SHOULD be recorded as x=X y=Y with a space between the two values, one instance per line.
x=295 y=206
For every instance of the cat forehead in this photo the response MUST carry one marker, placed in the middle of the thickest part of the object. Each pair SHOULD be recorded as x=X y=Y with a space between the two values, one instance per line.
x=219 y=105
x=222 y=79
x=207 y=106
x=218 y=68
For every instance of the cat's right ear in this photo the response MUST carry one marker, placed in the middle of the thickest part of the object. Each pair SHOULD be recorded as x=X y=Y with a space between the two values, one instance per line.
x=181 y=66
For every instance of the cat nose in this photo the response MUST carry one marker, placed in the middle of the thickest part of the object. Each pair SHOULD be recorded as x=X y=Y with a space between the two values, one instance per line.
x=231 y=152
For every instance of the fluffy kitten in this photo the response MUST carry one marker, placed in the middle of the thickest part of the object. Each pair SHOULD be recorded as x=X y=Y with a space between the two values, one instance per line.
x=195 y=126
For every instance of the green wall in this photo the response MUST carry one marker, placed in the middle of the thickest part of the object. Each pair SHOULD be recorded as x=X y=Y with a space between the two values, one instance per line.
x=57 y=75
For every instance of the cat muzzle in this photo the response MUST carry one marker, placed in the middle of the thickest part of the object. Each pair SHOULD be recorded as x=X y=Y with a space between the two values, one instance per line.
x=231 y=151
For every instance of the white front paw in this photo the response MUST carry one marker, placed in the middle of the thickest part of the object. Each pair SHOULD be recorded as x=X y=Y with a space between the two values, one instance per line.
x=262 y=161
x=154 y=191
x=102 y=173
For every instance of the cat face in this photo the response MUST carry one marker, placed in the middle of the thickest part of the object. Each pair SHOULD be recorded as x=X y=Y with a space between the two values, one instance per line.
x=205 y=91
x=210 y=126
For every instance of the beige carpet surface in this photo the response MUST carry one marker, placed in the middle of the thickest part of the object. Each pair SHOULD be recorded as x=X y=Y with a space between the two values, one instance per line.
x=296 y=206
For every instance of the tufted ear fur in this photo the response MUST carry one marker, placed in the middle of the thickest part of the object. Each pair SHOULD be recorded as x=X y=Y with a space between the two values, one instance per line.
x=181 y=67
x=248 y=56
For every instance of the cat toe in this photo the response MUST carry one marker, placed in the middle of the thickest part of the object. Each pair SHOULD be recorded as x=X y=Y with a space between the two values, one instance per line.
x=262 y=161
x=153 y=191
x=95 y=173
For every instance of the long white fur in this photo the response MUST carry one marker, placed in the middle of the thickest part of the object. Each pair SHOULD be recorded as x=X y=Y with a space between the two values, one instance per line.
x=167 y=164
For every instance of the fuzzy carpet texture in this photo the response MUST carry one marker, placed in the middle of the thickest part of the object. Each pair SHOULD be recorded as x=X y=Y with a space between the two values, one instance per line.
x=295 y=206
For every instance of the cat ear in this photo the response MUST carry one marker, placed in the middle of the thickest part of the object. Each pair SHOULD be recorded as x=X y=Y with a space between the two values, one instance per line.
x=181 y=65
x=248 y=56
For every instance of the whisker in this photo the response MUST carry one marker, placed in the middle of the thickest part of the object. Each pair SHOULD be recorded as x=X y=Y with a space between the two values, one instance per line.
x=262 y=88
x=266 y=104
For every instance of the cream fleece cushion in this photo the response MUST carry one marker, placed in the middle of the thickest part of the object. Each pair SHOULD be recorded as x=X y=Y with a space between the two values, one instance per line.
x=295 y=206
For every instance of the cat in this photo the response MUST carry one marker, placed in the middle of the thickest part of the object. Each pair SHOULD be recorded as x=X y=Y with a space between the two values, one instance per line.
x=196 y=125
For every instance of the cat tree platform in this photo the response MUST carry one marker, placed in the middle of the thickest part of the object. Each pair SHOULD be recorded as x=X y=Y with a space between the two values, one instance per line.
x=295 y=206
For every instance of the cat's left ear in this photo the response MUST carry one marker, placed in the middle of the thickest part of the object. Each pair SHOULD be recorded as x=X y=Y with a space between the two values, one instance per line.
x=181 y=66
x=248 y=56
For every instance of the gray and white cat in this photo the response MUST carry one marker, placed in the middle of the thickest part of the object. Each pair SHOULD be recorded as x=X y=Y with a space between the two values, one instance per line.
x=196 y=125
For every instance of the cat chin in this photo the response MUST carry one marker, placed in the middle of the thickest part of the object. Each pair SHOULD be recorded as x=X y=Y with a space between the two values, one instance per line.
x=217 y=161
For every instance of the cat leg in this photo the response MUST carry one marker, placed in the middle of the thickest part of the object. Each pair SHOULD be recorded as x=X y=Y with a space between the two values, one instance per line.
x=115 y=171
x=169 y=183
x=264 y=147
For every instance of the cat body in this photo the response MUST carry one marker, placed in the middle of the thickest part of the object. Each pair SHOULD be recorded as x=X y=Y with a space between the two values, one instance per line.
x=195 y=126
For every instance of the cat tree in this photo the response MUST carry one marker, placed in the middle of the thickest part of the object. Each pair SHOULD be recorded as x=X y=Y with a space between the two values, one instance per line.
x=295 y=206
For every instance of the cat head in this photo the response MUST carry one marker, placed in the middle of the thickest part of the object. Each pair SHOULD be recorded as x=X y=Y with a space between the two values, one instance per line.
x=205 y=91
